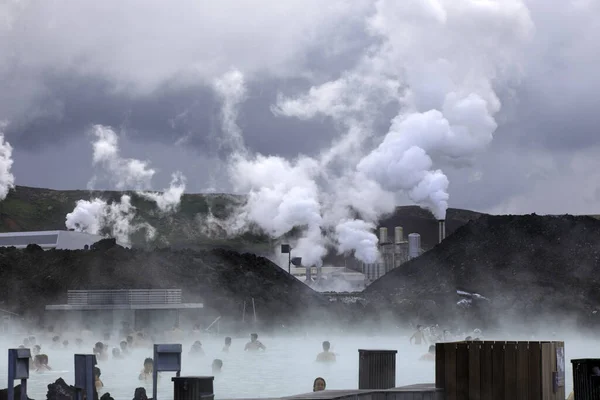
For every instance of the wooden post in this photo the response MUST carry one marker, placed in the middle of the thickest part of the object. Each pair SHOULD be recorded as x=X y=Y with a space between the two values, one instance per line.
x=475 y=371
x=510 y=370
x=522 y=371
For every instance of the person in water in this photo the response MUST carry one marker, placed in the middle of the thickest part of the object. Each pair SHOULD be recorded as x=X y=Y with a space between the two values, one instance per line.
x=40 y=362
x=319 y=384
x=146 y=374
x=196 y=349
x=418 y=336
x=124 y=347
x=55 y=343
x=99 y=351
x=116 y=353
x=99 y=384
x=430 y=355
x=326 y=355
x=254 y=344
x=217 y=365
x=227 y=345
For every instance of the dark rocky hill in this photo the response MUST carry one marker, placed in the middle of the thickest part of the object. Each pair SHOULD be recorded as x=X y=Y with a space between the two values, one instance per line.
x=529 y=268
x=221 y=279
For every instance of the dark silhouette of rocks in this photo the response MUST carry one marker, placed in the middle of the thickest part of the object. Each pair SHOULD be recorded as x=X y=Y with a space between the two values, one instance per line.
x=60 y=390
x=4 y=393
x=221 y=279
x=511 y=268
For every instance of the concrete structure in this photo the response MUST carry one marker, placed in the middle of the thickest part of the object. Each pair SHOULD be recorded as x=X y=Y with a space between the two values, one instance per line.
x=393 y=253
x=60 y=240
x=147 y=306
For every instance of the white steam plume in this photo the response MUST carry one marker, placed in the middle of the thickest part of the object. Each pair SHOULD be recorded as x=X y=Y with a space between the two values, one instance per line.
x=95 y=215
x=357 y=234
x=445 y=55
x=231 y=89
x=130 y=173
x=127 y=173
x=436 y=62
x=285 y=194
x=7 y=179
x=281 y=196
x=170 y=198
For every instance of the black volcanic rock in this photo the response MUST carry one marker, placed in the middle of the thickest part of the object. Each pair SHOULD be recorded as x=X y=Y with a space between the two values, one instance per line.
x=512 y=268
x=17 y=388
x=221 y=279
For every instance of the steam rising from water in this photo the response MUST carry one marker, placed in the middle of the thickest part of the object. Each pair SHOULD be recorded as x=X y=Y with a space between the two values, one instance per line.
x=436 y=63
x=118 y=217
x=243 y=373
x=7 y=179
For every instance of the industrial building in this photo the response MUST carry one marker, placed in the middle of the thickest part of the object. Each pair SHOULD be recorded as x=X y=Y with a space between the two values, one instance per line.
x=395 y=251
x=60 y=240
x=157 y=308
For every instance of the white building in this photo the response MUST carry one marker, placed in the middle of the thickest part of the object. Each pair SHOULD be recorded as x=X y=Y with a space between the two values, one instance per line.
x=60 y=240
x=331 y=278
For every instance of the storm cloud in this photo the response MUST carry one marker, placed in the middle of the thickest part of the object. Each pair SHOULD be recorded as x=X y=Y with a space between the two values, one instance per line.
x=147 y=68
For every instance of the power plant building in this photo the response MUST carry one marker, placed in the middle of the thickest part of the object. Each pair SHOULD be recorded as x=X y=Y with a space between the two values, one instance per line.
x=60 y=240
x=393 y=253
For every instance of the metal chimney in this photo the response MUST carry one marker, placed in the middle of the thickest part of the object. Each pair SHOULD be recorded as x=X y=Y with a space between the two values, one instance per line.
x=383 y=237
x=441 y=230
x=398 y=235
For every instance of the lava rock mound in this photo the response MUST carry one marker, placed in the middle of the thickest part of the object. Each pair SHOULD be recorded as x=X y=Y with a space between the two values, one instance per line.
x=498 y=269
x=221 y=279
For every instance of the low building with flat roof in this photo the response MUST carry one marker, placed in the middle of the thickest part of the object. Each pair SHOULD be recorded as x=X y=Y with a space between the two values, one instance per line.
x=158 y=308
x=60 y=240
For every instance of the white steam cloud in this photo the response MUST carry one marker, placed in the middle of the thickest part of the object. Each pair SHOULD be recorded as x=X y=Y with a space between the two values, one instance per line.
x=231 y=89
x=436 y=62
x=96 y=215
x=444 y=56
x=7 y=179
x=127 y=173
x=170 y=198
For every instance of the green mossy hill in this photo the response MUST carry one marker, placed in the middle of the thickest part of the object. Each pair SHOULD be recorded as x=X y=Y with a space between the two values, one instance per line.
x=29 y=209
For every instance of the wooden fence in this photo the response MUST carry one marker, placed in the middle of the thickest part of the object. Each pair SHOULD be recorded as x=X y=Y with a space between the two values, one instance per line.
x=501 y=370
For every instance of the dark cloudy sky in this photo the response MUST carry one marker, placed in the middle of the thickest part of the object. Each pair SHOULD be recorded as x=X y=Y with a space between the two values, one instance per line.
x=146 y=68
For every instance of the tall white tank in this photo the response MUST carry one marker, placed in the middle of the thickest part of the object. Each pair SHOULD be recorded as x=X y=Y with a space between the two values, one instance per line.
x=398 y=234
x=383 y=238
x=414 y=245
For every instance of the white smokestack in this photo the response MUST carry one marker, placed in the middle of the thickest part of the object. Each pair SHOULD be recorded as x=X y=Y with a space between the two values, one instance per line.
x=441 y=230
x=414 y=245
x=383 y=235
x=398 y=235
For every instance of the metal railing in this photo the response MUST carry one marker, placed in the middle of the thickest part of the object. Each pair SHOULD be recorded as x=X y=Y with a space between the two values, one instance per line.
x=124 y=297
